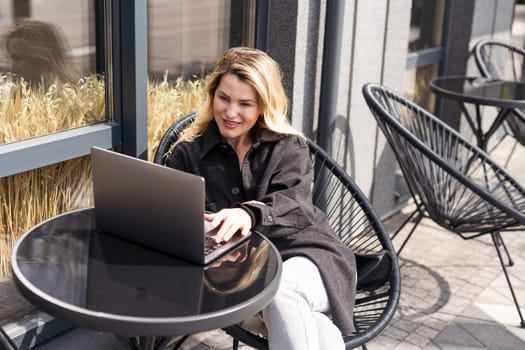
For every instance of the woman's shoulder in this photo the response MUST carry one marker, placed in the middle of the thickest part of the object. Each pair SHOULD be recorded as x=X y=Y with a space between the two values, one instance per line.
x=280 y=138
x=186 y=148
x=294 y=140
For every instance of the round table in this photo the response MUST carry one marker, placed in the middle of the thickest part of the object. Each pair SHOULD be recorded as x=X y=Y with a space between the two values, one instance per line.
x=73 y=271
x=478 y=91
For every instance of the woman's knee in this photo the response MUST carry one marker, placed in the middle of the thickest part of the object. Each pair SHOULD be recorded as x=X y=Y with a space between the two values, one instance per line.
x=302 y=282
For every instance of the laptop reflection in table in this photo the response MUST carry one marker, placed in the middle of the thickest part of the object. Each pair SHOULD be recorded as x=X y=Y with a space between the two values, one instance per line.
x=120 y=280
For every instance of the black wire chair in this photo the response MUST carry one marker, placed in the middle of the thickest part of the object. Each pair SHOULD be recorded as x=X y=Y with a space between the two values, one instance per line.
x=452 y=182
x=357 y=224
x=499 y=60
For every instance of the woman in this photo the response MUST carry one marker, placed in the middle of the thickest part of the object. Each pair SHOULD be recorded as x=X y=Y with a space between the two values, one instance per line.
x=258 y=176
x=38 y=53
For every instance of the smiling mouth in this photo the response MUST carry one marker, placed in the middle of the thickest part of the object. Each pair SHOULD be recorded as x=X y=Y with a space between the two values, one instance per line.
x=231 y=123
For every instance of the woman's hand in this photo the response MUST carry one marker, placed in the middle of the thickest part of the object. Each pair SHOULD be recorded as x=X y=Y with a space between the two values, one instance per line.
x=229 y=222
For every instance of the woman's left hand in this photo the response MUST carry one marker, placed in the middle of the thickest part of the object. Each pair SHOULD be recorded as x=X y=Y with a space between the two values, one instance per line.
x=230 y=221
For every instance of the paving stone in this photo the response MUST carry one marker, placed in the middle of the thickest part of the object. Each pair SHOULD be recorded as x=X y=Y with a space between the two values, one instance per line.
x=492 y=336
x=406 y=346
x=379 y=346
x=13 y=305
x=418 y=340
x=434 y=323
x=407 y=325
x=454 y=336
x=395 y=333
x=426 y=331
x=383 y=342
x=431 y=346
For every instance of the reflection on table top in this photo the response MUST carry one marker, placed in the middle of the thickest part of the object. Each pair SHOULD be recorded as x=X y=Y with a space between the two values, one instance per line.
x=483 y=91
x=73 y=271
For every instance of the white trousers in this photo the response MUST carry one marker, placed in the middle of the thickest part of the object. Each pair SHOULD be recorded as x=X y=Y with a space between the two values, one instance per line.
x=295 y=318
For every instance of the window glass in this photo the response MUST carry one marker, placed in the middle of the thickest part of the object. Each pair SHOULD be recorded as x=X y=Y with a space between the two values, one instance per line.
x=184 y=40
x=416 y=87
x=48 y=79
x=426 y=24
x=426 y=31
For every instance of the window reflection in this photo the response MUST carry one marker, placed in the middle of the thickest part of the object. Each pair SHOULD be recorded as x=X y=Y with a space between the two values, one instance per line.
x=38 y=53
x=184 y=40
x=426 y=24
x=47 y=68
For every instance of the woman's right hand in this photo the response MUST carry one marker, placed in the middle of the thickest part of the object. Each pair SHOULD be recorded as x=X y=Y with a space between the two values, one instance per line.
x=230 y=221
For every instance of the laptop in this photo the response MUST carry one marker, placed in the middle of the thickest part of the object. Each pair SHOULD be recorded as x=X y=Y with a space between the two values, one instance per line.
x=154 y=205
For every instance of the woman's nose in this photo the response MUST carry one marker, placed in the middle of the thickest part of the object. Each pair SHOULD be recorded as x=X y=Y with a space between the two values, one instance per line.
x=231 y=111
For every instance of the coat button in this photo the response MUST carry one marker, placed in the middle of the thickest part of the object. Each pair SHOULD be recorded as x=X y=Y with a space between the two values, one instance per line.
x=236 y=191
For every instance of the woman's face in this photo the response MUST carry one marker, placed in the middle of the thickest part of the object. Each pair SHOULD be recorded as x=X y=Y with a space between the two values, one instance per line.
x=24 y=64
x=236 y=108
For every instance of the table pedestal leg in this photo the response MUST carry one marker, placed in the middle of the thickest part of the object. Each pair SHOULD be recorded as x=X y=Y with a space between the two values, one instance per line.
x=152 y=343
x=476 y=127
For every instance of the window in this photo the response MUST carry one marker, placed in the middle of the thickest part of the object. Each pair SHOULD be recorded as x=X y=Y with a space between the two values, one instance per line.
x=48 y=73
x=51 y=87
x=184 y=40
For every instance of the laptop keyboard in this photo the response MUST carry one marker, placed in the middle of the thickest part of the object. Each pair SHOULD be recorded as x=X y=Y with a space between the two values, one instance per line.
x=211 y=245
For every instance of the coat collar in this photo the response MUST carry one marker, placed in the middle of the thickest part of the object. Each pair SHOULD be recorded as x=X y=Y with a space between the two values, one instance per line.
x=212 y=137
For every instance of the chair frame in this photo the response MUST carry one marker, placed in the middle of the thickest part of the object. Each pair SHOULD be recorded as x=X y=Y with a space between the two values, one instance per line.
x=511 y=215
x=374 y=309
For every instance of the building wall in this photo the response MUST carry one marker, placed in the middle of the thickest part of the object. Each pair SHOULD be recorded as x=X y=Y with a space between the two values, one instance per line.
x=373 y=47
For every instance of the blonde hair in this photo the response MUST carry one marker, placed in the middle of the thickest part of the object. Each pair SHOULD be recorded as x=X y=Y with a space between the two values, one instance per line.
x=250 y=270
x=260 y=71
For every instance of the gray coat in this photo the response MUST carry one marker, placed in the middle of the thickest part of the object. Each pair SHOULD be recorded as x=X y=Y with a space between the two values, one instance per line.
x=277 y=171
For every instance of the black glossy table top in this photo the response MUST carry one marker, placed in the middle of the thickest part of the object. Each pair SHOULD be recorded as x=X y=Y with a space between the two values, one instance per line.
x=482 y=91
x=73 y=271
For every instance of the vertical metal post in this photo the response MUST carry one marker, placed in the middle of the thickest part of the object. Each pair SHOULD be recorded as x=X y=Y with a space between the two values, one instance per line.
x=261 y=26
x=330 y=72
x=130 y=75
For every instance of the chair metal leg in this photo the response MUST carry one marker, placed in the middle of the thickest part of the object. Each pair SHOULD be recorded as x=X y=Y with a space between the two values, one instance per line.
x=502 y=242
x=416 y=222
x=404 y=223
x=511 y=153
x=495 y=240
x=171 y=342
